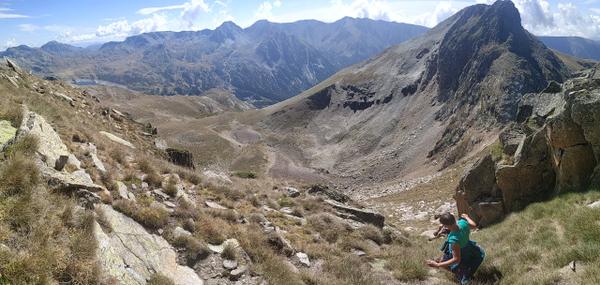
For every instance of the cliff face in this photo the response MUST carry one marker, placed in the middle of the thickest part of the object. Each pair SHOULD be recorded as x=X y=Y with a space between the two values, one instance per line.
x=555 y=148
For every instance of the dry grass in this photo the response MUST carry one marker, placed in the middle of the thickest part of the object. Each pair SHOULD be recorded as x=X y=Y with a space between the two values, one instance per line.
x=11 y=112
x=327 y=225
x=19 y=175
x=195 y=250
x=159 y=279
x=229 y=252
x=35 y=254
x=170 y=187
x=270 y=265
x=211 y=230
x=27 y=145
x=151 y=217
x=372 y=232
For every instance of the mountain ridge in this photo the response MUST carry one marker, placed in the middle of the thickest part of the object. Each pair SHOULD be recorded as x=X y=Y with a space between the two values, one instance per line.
x=264 y=63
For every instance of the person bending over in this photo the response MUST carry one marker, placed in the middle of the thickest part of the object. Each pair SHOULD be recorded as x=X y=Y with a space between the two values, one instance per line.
x=461 y=255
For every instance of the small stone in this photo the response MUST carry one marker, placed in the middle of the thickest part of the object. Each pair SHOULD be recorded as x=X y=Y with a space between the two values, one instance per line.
x=594 y=205
x=169 y=204
x=214 y=205
x=236 y=274
x=292 y=192
x=230 y=264
x=144 y=186
x=180 y=232
x=303 y=258
x=122 y=189
x=358 y=252
x=573 y=266
x=60 y=162
x=430 y=234
x=286 y=210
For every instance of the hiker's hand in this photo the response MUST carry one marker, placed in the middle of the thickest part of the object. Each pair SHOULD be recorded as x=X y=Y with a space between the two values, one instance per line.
x=431 y=263
x=464 y=216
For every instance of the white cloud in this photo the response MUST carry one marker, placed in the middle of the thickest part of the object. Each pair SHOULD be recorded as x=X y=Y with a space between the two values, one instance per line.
x=7 y=13
x=123 y=28
x=28 y=27
x=442 y=11
x=12 y=42
x=265 y=9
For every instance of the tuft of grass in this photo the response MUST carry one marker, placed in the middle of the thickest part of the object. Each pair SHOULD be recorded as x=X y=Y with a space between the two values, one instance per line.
x=159 y=279
x=371 y=232
x=151 y=217
x=267 y=262
x=229 y=252
x=212 y=230
x=19 y=175
x=171 y=187
x=12 y=113
x=407 y=263
x=26 y=145
x=327 y=225
x=350 y=269
x=195 y=250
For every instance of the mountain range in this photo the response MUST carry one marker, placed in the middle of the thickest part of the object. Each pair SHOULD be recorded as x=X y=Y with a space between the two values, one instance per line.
x=264 y=63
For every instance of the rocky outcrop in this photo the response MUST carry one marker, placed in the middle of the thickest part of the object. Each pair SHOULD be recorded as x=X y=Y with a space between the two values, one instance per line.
x=181 y=157
x=117 y=139
x=131 y=255
x=360 y=215
x=50 y=146
x=558 y=150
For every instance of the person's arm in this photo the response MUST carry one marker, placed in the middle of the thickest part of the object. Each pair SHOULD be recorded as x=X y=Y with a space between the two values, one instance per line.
x=455 y=258
x=472 y=223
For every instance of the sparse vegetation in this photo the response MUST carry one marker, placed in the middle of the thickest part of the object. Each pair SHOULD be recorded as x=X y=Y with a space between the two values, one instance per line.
x=245 y=174
x=159 y=279
x=152 y=217
x=27 y=145
x=229 y=252
x=195 y=250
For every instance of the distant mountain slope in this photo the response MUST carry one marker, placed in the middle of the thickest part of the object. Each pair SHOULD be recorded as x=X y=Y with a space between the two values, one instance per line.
x=423 y=104
x=264 y=63
x=575 y=46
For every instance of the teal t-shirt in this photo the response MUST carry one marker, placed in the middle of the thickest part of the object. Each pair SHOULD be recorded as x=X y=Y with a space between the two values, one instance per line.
x=461 y=236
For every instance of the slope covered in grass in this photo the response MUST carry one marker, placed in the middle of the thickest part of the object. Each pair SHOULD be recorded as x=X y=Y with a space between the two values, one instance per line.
x=536 y=245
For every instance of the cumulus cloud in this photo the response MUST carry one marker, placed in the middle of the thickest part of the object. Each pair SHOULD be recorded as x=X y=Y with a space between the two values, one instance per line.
x=265 y=9
x=12 y=42
x=123 y=28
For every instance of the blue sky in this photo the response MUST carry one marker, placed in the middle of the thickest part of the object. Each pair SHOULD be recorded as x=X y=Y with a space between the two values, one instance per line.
x=82 y=22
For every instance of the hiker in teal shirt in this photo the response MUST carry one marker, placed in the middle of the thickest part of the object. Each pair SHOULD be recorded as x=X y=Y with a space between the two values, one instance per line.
x=461 y=255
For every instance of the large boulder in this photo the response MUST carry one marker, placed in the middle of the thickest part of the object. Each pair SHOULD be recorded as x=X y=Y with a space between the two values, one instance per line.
x=477 y=193
x=50 y=146
x=531 y=178
x=360 y=215
x=181 y=157
x=131 y=255
x=560 y=152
